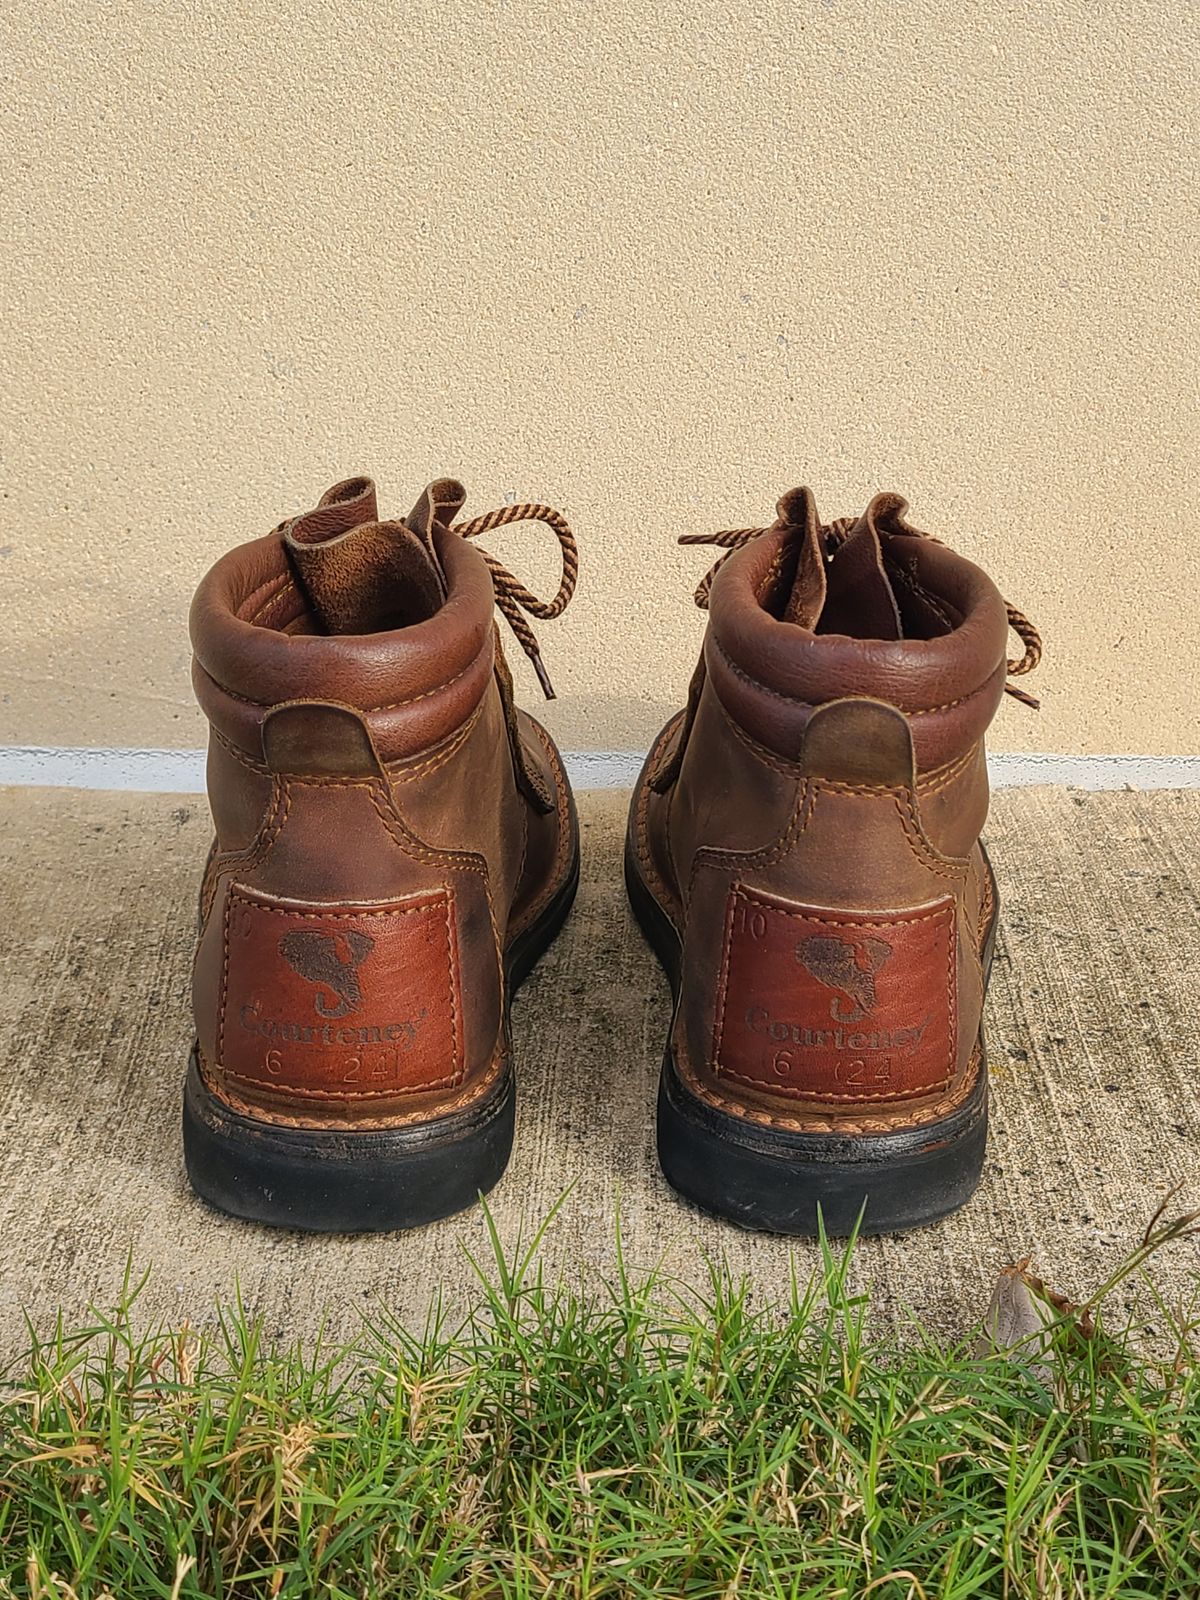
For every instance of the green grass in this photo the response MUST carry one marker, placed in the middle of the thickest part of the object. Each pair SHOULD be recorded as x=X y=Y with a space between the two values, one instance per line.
x=641 y=1441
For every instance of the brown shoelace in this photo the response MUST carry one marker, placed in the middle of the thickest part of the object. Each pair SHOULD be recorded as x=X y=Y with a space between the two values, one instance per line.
x=732 y=539
x=512 y=597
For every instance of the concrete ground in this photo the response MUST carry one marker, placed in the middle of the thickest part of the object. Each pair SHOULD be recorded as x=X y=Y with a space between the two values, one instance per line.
x=1094 y=1058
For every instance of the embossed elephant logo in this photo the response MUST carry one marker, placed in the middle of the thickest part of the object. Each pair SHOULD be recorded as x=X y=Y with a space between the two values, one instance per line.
x=847 y=966
x=331 y=961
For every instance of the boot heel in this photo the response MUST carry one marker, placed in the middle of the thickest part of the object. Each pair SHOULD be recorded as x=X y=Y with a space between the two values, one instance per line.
x=338 y=1181
x=785 y=1182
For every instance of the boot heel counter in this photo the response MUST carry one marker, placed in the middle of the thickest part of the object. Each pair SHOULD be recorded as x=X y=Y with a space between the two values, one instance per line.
x=833 y=969
x=346 y=971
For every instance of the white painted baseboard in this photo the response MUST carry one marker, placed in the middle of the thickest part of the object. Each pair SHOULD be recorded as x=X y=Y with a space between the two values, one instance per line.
x=182 y=771
x=154 y=771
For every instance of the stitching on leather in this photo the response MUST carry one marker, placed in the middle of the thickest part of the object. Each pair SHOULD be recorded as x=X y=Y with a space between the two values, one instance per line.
x=856 y=790
x=641 y=830
x=207 y=890
x=986 y=911
x=343 y=1095
x=237 y=892
x=944 y=866
x=407 y=774
x=462 y=859
x=216 y=1080
x=945 y=776
x=246 y=896
x=794 y=700
x=733 y=860
x=801 y=815
x=245 y=861
x=458 y=860
x=455 y=980
x=285 y=614
x=454 y=860
x=449 y=860
x=239 y=755
x=905 y=803
x=520 y=873
x=271 y=588
x=931 y=782
x=400 y=772
x=392 y=705
x=224 y=980
x=723 y=981
x=277 y=602
x=952 y=985
x=815 y=1123
x=404 y=775
x=318 y=780
x=896 y=1098
x=864 y=919
x=278 y=806
x=769 y=758
x=268 y=585
x=935 y=604
x=944 y=912
x=532 y=775
x=770 y=577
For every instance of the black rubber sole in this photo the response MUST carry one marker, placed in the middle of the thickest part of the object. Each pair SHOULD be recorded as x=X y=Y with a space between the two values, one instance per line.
x=374 y=1181
x=778 y=1181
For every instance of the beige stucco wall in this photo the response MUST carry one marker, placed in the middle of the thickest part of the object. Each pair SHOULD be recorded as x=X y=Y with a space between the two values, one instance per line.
x=650 y=263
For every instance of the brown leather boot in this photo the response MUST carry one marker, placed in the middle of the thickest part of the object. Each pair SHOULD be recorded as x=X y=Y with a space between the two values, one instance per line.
x=396 y=845
x=804 y=857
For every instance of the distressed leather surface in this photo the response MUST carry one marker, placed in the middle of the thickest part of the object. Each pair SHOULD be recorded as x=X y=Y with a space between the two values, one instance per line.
x=817 y=848
x=375 y=854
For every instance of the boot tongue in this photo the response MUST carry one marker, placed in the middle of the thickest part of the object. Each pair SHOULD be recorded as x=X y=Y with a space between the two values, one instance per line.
x=797 y=511
x=440 y=503
x=859 y=599
x=361 y=575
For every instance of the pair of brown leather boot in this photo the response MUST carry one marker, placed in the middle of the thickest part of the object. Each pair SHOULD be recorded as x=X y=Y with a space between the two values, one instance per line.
x=396 y=844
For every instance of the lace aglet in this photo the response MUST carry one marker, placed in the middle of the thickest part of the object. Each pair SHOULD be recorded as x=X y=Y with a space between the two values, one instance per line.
x=543 y=678
x=1025 y=699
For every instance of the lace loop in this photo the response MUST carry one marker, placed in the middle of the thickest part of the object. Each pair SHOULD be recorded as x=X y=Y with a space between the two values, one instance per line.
x=512 y=597
x=1032 y=640
x=729 y=540
x=732 y=539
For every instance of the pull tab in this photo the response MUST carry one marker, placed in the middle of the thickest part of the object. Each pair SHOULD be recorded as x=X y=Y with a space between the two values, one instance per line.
x=314 y=739
x=859 y=598
x=440 y=502
x=859 y=741
x=337 y=511
x=798 y=509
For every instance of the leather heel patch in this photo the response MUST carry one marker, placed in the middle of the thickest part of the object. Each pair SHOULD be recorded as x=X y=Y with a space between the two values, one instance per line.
x=837 y=1006
x=340 y=1002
